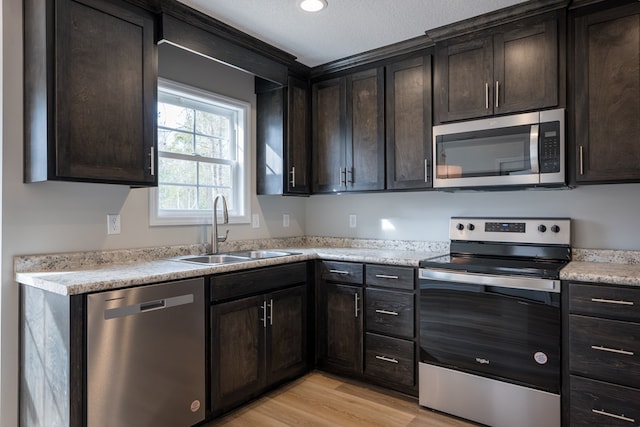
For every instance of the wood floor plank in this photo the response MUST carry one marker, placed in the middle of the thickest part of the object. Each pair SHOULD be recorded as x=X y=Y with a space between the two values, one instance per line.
x=323 y=400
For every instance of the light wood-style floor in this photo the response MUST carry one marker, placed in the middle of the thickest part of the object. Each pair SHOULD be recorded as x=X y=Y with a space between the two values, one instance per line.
x=320 y=399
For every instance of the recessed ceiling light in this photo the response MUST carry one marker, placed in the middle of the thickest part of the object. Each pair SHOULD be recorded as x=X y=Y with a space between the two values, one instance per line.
x=313 y=5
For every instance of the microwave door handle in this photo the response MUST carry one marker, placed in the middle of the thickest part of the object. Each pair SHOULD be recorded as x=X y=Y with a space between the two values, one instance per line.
x=533 y=148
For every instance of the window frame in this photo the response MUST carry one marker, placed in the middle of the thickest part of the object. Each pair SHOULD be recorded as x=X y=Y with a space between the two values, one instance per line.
x=241 y=173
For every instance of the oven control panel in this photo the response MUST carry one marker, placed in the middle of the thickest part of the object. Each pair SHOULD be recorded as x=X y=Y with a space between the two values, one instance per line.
x=511 y=230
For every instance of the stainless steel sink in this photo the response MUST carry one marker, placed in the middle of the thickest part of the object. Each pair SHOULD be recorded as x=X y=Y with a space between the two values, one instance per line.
x=212 y=259
x=233 y=257
x=261 y=254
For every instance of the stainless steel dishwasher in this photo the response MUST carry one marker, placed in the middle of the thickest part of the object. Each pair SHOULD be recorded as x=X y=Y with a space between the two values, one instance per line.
x=146 y=356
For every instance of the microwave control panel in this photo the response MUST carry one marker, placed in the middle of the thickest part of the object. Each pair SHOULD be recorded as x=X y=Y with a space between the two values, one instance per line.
x=549 y=150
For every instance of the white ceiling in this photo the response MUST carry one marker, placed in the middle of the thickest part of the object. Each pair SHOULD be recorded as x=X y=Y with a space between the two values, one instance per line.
x=346 y=27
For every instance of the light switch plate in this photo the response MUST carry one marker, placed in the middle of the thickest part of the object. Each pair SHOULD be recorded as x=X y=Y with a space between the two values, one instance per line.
x=352 y=221
x=255 y=221
x=285 y=220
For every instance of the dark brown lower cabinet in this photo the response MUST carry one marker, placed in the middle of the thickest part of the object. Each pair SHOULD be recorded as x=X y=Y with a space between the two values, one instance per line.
x=257 y=341
x=343 y=328
x=603 y=347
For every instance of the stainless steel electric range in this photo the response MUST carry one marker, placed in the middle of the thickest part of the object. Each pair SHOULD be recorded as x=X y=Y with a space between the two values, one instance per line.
x=490 y=333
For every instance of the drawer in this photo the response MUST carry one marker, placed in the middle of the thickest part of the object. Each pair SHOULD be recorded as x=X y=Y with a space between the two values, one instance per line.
x=390 y=359
x=606 y=301
x=605 y=349
x=390 y=277
x=261 y=280
x=342 y=272
x=389 y=312
x=597 y=403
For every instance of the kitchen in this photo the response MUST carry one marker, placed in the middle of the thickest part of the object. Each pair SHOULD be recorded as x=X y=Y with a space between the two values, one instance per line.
x=41 y=218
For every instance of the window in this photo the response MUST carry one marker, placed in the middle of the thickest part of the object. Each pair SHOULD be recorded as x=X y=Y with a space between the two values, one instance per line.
x=202 y=151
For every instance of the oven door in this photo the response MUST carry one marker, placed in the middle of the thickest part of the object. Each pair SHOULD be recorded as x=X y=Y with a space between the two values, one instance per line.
x=490 y=152
x=506 y=333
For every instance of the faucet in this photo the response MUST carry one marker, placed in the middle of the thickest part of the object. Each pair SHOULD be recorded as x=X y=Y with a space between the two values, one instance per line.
x=214 y=223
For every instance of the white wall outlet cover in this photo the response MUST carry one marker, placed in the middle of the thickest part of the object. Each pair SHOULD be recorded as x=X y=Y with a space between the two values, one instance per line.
x=255 y=221
x=113 y=223
x=285 y=220
x=352 y=221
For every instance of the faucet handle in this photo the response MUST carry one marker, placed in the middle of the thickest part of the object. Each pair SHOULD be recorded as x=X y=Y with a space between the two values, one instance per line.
x=223 y=239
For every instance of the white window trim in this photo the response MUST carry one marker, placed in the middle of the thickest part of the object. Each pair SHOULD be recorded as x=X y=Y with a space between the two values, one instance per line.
x=185 y=217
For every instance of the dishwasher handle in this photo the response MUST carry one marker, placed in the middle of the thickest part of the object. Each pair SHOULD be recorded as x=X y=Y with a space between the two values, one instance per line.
x=148 y=306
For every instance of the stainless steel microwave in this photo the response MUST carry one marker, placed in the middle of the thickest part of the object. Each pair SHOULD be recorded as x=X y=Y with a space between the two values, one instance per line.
x=519 y=150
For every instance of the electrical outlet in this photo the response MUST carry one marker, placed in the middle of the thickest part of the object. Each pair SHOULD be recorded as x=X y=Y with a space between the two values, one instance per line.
x=285 y=220
x=113 y=223
x=255 y=221
x=352 y=221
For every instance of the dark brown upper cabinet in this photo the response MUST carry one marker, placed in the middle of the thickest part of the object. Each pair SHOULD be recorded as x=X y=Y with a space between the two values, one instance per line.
x=348 y=133
x=408 y=124
x=606 y=95
x=506 y=69
x=90 y=92
x=283 y=130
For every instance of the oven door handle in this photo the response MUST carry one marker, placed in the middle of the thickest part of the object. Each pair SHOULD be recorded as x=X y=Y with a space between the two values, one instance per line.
x=516 y=282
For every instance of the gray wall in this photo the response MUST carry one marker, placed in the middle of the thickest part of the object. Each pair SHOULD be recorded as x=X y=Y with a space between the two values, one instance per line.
x=604 y=216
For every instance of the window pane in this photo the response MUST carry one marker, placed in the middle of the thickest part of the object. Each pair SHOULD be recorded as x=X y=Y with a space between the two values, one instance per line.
x=175 y=142
x=174 y=171
x=206 y=197
x=177 y=197
x=211 y=124
x=214 y=148
x=175 y=117
x=215 y=175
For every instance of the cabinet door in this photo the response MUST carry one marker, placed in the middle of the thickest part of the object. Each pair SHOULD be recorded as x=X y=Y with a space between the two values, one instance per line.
x=344 y=327
x=297 y=141
x=270 y=136
x=409 y=124
x=365 y=130
x=329 y=174
x=463 y=79
x=237 y=351
x=607 y=95
x=286 y=334
x=526 y=66
x=105 y=93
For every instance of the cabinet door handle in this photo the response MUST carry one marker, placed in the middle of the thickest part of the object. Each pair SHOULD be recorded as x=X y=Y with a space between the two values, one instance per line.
x=390 y=313
x=343 y=173
x=426 y=170
x=293 y=176
x=486 y=96
x=356 y=299
x=609 y=414
x=263 y=307
x=612 y=350
x=386 y=276
x=497 y=94
x=152 y=163
x=344 y=273
x=581 y=161
x=271 y=312
x=612 y=301
x=350 y=172
x=387 y=359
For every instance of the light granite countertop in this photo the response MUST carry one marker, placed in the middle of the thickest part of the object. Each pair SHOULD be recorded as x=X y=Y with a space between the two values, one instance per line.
x=86 y=278
x=78 y=273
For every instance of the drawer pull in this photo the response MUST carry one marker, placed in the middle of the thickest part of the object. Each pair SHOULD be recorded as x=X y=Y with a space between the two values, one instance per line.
x=612 y=301
x=390 y=313
x=618 y=417
x=387 y=359
x=386 y=276
x=346 y=273
x=612 y=350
